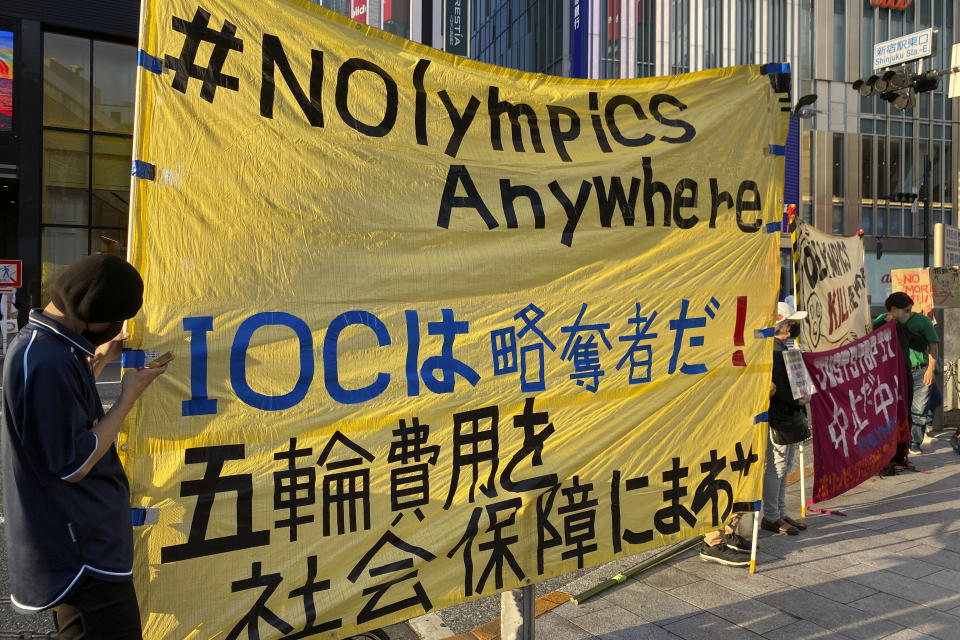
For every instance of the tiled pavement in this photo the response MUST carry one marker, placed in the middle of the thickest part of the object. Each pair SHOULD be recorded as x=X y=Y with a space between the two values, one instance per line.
x=889 y=569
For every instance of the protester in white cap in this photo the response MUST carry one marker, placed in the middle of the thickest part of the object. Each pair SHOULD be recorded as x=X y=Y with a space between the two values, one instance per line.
x=788 y=426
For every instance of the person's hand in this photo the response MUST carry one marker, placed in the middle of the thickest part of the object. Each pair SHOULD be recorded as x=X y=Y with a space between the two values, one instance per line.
x=890 y=318
x=928 y=377
x=804 y=400
x=110 y=351
x=773 y=389
x=136 y=381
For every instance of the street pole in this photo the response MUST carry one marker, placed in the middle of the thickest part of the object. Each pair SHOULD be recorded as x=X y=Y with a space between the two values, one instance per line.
x=938 y=314
x=927 y=222
x=517 y=619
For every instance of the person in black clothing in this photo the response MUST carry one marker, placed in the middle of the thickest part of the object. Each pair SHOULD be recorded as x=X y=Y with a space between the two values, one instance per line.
x=66 y=497
x=788 y=426
x=908 y=340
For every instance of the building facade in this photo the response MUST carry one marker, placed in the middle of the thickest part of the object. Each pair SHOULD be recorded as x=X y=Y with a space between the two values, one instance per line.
x=67 y=70
x=856 y=152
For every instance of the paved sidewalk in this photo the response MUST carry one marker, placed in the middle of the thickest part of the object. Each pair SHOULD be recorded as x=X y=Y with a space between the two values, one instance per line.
x=889 y=569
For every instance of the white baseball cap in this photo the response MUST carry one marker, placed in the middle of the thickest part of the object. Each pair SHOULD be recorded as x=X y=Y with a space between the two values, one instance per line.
x=785 y=311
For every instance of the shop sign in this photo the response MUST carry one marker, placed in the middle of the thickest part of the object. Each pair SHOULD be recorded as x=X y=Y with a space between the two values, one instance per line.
x=900 y=5
x=358 y=11
x=457 y=19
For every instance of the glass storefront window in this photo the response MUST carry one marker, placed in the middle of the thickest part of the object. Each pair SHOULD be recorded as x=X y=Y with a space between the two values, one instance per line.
x=882 y=190
x=895 y=185
x=866 y=168
x=680 y=36
x=806 y=46
x=66 y=81
x=908 y=181
x=935 y=175
x=881 y=221
x=866 y=220
x=114 y=89
x=924 y=14
x=839 y=39
x=712 y=34
x=838 y=165
x=111 y=180
x=396 y=18
x=923 y=100
x=88 y=107
x=66 y=166
x=866 y=46
x=837 y=225
x=646 y=38
x=896 y=221
x=948 y=176
x=60 y=247
x=746 y=31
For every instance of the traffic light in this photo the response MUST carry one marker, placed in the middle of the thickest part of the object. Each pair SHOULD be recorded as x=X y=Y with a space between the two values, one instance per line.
x=928 y=81
x=901 y=196
x=899 y=87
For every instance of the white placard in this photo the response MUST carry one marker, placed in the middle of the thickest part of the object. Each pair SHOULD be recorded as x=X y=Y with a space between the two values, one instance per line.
x=800 y=381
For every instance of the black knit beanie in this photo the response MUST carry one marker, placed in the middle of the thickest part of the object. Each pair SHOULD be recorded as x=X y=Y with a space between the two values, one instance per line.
x=98 y=288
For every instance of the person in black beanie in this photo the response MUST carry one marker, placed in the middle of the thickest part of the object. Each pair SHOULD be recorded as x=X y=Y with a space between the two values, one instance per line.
x=66 y=497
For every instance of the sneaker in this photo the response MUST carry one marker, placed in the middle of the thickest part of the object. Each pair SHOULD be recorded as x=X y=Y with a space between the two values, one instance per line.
x=737 y=543
x=723 y=555
x=915 y=450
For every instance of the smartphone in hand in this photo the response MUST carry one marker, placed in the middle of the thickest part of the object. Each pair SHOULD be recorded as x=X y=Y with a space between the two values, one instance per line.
x=160 y=360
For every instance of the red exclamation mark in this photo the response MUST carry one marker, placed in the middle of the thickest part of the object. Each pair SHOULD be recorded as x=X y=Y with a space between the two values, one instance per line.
x=738 y=360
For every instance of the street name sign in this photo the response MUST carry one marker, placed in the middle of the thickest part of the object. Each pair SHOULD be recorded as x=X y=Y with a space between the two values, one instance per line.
x=913 y=46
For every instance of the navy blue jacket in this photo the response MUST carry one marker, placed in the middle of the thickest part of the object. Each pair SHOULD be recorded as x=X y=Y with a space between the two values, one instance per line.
x=57 y=530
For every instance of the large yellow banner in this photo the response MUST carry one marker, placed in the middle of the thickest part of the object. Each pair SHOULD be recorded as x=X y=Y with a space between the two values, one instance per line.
x=442 y=329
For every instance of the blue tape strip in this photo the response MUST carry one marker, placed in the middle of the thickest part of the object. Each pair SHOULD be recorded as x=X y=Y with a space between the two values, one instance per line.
x=143 y=170
x=132 y=359
x=149 y=62
x=776 y=67
x=774 y=227
x=757 y=505
x=138 y=516
x=760 y=417
x=768 y=332
x=778 y=149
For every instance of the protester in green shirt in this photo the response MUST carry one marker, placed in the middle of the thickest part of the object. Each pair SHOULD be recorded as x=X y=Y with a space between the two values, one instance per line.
x=923 y=363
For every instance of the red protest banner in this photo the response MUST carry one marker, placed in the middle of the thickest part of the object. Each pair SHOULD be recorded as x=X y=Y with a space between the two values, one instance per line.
x=859 y=406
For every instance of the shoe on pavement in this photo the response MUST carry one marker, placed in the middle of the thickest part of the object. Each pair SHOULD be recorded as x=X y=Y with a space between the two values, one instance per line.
x=721 y=554
x=915 y=450
x=737 y=543
x=778 y=527
x=799 y=524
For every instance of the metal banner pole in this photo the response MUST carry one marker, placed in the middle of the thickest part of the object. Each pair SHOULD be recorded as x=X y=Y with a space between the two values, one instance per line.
x=803 y=486
x=517 y=617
